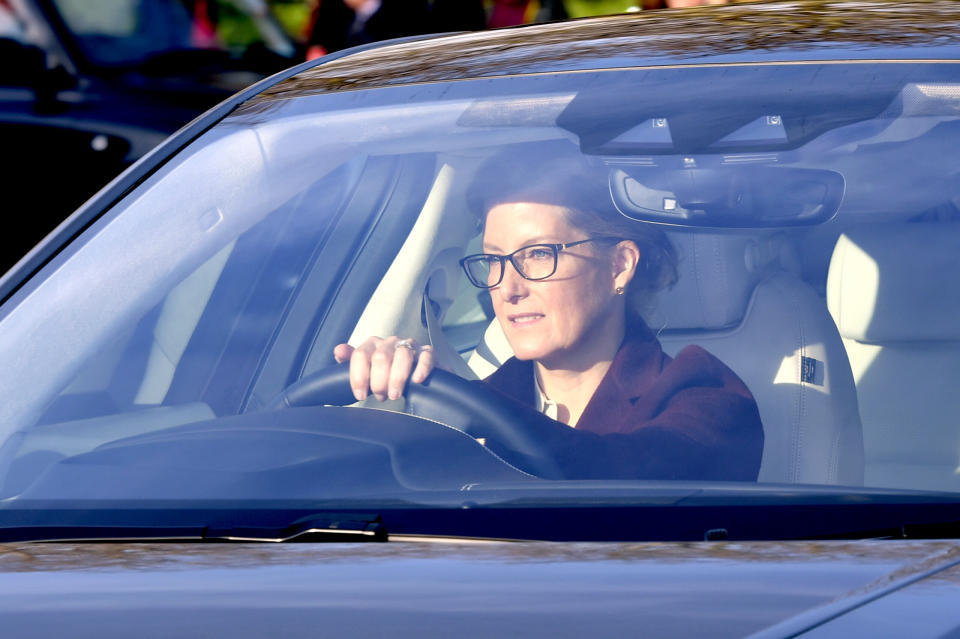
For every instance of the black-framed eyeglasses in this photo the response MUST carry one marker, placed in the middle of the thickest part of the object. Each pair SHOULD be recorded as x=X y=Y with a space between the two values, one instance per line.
x=533 y=262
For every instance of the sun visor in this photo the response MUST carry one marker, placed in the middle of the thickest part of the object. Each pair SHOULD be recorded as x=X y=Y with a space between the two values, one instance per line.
x=743 y=109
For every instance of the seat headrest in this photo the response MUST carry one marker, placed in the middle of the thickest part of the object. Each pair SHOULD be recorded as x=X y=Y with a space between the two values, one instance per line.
x=896 y=282
x=718 y=273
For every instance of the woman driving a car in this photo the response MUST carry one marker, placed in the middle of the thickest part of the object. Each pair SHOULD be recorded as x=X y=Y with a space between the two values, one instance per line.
x=569 y=278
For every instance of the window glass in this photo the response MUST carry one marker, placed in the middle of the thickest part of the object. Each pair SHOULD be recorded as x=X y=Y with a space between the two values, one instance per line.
x=790 y=235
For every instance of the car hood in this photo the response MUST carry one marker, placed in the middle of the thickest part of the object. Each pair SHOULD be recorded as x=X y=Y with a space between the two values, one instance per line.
x=457 y=588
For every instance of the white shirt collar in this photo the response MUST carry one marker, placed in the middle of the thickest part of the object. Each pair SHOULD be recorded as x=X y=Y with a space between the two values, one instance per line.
x=544 y=405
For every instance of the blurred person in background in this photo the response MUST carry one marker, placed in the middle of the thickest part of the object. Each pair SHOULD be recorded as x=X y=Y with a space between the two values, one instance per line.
x=339 y=24
x=11 y=26
x=206 y=16
x=203 y=13
x=675 y=4
x=505 y=13
x=584 y=8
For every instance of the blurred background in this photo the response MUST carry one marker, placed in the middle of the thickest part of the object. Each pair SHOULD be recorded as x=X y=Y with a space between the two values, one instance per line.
x=87 y=87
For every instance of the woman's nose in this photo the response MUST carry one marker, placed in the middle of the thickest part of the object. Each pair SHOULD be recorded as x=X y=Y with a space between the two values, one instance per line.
x=513 y=286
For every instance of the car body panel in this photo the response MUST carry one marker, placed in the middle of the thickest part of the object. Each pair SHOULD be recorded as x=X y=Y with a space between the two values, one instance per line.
x=917 y=608
x=443 y=588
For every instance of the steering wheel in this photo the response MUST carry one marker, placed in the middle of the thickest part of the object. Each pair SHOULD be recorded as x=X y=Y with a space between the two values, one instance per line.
x=468 y=406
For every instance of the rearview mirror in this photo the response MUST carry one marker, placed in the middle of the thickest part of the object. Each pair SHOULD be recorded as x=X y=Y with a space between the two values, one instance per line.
x=727 y=197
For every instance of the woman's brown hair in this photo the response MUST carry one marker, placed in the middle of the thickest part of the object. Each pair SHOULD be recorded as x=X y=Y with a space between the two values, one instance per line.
x=558 y=174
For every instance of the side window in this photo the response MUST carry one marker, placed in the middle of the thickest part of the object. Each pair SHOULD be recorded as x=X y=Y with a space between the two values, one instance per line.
x=469 y=313
x=136 y=370
x=204 y=341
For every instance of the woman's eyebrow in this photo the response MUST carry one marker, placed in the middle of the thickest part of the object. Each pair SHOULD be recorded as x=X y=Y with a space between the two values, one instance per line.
x=537 y=239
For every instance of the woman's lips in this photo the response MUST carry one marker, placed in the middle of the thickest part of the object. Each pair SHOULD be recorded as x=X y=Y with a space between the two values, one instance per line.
x=524 y=319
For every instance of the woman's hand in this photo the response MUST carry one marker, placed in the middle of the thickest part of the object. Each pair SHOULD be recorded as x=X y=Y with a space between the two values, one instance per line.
x=383 y=366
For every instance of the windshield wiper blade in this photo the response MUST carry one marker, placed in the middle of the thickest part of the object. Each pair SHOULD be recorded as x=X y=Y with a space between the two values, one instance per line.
x=313 y=528
x=339 y=527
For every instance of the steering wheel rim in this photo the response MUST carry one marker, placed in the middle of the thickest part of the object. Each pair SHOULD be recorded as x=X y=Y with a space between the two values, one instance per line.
x=472 y=407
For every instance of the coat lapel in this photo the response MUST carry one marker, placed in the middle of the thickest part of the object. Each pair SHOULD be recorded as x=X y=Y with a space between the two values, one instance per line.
x=633 y=370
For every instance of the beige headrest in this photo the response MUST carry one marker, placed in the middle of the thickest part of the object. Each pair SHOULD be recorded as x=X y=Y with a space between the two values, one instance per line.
x=718 y=273
x=896 y=282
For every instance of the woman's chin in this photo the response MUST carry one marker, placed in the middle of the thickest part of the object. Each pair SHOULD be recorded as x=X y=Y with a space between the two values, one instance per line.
x=525 y=349
x=522 y=349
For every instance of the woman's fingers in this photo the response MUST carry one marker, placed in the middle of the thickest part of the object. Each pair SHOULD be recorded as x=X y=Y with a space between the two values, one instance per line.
x=424 y=364
x=390 y=367
x=383 y=366
x=342 y=352
x=381 y=362
x=361 y=363
x=404 y=356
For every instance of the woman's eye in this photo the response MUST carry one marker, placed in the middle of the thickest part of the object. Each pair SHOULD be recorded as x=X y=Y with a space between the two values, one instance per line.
x=539 y=254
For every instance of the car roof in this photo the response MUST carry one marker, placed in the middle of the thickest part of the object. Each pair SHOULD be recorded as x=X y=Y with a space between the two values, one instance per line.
x=801 y=30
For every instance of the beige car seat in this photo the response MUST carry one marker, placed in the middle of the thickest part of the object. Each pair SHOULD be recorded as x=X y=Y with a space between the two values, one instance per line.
x=894 y=291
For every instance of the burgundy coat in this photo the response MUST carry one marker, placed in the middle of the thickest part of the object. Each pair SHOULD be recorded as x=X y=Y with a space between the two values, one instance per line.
x=651 y=417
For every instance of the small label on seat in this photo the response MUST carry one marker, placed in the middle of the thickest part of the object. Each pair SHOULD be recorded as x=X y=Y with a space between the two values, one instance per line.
x=811 y=371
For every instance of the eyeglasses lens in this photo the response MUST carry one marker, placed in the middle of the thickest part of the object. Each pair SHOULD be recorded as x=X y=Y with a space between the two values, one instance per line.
x=536 y=262
x=484 y=271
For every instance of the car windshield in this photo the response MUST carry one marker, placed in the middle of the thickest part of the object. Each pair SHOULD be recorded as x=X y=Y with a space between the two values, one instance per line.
x=796 y=241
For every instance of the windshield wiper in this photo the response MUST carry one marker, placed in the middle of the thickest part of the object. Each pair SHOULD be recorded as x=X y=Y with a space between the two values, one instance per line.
x=340 y=527
x=314 y=528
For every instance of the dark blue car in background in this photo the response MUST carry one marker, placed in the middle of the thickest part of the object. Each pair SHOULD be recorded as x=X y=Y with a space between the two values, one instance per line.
x=87 y=88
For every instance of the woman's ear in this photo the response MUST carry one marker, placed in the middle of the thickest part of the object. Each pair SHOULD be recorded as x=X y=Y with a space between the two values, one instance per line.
x=626 y=258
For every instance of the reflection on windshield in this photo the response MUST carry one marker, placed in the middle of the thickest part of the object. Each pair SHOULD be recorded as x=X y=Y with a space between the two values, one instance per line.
x=883 y=557
x=739 y=292
x=625 y=40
